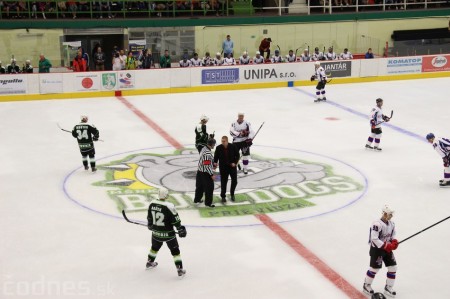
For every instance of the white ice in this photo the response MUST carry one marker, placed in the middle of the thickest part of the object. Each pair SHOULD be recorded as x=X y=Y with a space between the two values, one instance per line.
x=53 y=248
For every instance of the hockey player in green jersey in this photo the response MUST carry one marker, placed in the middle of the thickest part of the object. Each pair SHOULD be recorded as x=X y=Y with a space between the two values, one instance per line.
x=162 y=218
x=86 y=134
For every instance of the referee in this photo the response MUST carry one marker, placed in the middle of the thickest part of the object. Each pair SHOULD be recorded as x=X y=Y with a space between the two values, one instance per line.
x=204 y=181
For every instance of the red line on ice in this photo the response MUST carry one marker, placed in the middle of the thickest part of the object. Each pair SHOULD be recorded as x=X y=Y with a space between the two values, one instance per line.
x=151 y=123
x=311 y=258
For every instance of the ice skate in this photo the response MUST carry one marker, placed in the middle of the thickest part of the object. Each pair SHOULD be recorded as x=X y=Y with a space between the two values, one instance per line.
x=245 y=171
x=232 y=198
x=367 y=289
x=441 y=181
x=94 y=169
x=86 y=167
x=377 y=149
x=444 y=183
x=316 y=100
x=151 y=265
x=389 y=291
x=369 y=147
x=224 y=200
x=324 y=99
x=181 y=272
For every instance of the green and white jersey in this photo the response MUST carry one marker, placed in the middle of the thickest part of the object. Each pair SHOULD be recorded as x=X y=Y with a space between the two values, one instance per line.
x=84 y=133
x=201 y=137
x=163 y=217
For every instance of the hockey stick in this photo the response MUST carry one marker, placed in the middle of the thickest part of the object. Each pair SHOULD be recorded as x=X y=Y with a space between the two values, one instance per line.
x=239 y=165
x=128 y=220
x=279 y=49
x=63 y=129
x=392 y=113
x=423 y=230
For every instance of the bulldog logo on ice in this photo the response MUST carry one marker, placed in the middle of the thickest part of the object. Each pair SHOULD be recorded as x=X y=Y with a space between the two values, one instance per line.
x=277 y=184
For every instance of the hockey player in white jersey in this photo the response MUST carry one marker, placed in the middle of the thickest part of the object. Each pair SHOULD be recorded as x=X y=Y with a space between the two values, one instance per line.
x=277 y=57
x=305 y=57
x=195 y=61
x=346 y=55
x=185 y=62
x=317 y=55
x=376 y=119
x=382 y=242
x=258 y=59
x=442 y=147
x=244 y=59
x=218 y=60
x=229 y=60
x=242 y=133
x=330 y=55
x=207 y=60
x=291 y=57
x=322 y=78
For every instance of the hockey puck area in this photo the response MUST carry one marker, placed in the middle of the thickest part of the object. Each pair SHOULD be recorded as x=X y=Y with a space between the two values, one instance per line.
x=288 y=184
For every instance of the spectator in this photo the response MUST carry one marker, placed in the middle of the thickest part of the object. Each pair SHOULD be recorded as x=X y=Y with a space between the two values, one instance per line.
x=185 y=62
x=227 y=46
x=99 y=60
x=62 y=8
x=147 y=59
x=346 y=55
x=258 y=59
x=115 y=8
x=44 y=64
x=369 y=54
x=207 y=61
x=195 y=61
x=102 y=6
x=85 y=56
x=11 y=6
x=330 y=55
x=130 y=62
x=27 y=67
x=123 y=58
x=117 y=62
x=164 y=61
x=84 y=6
x=264 y=46
x=73 y=8
x=286 y=5
x=2 y=69
x=79 y=63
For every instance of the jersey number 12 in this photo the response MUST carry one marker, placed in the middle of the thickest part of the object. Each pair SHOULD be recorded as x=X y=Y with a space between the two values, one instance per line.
x=158 y=218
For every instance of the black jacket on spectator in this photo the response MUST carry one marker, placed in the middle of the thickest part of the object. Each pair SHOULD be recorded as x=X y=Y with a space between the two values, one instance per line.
x=147 y=61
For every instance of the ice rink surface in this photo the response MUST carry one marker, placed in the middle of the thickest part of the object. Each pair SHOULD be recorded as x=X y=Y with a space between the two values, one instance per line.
x=62 y=238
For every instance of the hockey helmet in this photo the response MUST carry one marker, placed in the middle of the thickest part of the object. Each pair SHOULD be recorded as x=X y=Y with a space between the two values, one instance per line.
x=257 y=53
x=379 y=100
x=387 y=209
x=430 y=136
x=218 y=54
x=211 y=142
x=317 y=63
x=204 y=117
x=185 y=57
x=378 y=296
x=84 y=118
x=245 y=53
x=163 y=193
x=277 y=51
x=241 y=113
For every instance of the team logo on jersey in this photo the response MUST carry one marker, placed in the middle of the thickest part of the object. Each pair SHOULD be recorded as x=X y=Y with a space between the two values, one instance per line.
x=291 y=183
x=109 y=81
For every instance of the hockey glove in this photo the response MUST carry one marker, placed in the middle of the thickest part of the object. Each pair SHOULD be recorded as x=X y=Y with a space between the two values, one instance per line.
x=211 y=136
x=150 y=227
x=446 y=161
x=388 y=247
x=372 y=123
x=249 y=142
x=182 y=231
x=386 y=118
x=313 y=77
x=394 y=243
x=244 y=133
x=95 y=138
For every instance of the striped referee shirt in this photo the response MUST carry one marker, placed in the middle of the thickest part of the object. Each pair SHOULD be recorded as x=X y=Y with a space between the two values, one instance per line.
x=205 y=163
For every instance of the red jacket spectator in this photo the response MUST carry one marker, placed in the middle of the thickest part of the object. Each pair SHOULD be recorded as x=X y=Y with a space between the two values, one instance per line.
x=79 y=64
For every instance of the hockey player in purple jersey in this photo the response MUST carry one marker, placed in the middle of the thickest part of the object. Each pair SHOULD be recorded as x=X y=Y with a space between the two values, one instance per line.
x=442 y=147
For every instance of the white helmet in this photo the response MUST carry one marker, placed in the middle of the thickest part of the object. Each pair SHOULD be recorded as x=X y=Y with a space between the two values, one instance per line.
x=204 y=117
x=317 y=63
x=386 y=209
x=245 y=53
x=84 y=118
x=258 y=53
x=218 y=54
x=163 y=193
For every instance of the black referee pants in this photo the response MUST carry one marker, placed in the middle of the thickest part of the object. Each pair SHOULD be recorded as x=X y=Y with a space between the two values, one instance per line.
x=204 y=184
x=224 y=173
